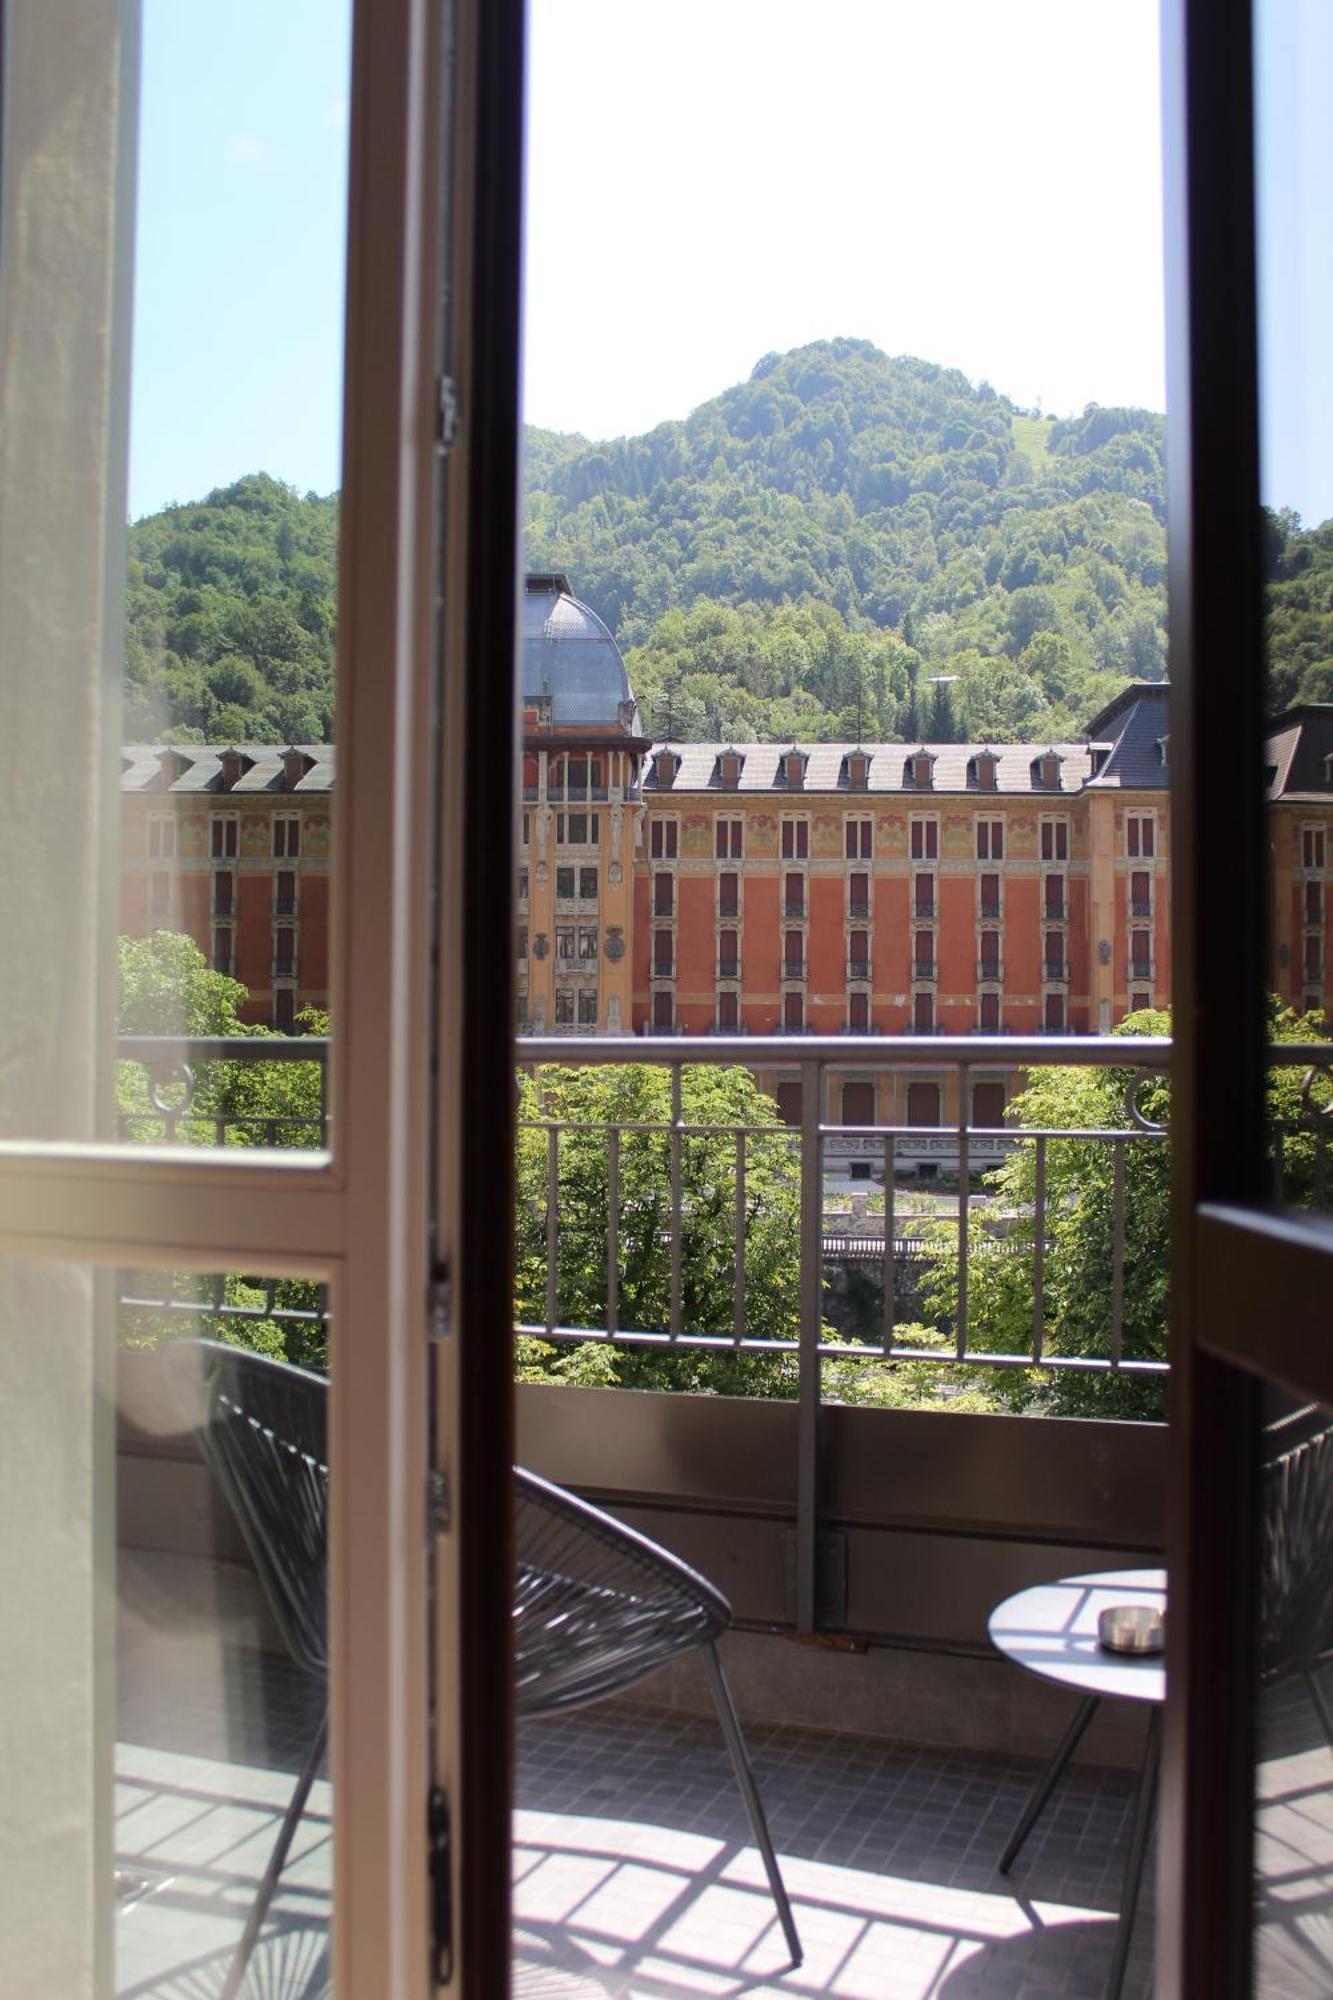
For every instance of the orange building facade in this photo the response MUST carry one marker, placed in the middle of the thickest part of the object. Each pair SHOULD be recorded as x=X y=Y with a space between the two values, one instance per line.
x=710 y=888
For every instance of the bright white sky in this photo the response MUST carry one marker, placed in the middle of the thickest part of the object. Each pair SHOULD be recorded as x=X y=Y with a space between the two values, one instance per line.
x=974 y=182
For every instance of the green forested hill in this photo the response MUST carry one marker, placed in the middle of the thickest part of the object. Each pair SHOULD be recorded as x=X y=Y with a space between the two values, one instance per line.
x=801 y=556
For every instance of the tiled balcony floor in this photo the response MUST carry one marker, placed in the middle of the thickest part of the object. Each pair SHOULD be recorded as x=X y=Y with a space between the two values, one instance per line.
x=634 y=1871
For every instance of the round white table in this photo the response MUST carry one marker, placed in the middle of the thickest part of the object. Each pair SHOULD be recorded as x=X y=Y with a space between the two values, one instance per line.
x=1051 y=1629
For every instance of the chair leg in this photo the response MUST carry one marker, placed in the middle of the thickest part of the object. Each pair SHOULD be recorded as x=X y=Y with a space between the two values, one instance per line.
x=1050 y=1777
x=740 y=1762
x=276 y=1862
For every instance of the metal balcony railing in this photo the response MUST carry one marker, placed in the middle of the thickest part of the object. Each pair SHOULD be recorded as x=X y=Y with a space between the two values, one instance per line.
x=858 y=968
x=1141 y=909
x=858 y=912
x=990 y=912
x=990 y=968
x=1141 y=971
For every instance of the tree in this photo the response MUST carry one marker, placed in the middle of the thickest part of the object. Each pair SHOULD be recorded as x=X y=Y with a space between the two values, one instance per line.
x=168 y=988
x=1080 y=1223
x=585 y=1102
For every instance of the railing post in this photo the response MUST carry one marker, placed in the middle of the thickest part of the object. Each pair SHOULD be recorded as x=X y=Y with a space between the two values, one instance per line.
x=808 y=1416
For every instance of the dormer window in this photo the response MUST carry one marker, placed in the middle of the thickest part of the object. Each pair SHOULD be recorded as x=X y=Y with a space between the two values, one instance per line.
x=1046 y=771
x=1164 y=741
x=858 y=770
x=729 y=766
x=921 y=770
x=982 y=770
x=173 y=767
x=234 y=764
x=665 y=766
x=793 y=769
x=296 y=764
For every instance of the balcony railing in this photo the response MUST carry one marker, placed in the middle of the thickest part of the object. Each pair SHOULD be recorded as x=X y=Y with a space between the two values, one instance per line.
x=990 y=911
x=1141 y=971
x=858 y=911
x=990 y=968
x=858 y=968
x=1055 y=975
x=1141 y=909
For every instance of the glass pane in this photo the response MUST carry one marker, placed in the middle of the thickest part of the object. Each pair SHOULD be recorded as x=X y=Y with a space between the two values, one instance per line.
x=164 y=1564
x=1294 y=151
x=1294 y=1778
x=168 y=751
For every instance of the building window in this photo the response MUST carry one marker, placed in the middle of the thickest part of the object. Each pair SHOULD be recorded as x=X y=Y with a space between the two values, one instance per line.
x=284 y=947
x=794 y=764
x=284 y=1009
x=858 y=1102
x=922 y=771
x=1055 y=899
x=159 y=893
x=1313 y=1003
x=564 y=1007
x=793 y=901
x=860 y=839
x=858 y=771
x=858 y=955
x=587 y=941
x=223 y=936
x=1140 y=835
x=161 y=839
x=1139 y=1001
x=286 y=836
x=924 y=896
x=662 y=838
x=1314 y=957
x=858 y=897
x=728 y=1011
x=662 y=954
x=990 y=955
x=587 y=1005
x=728 y=954
x=988 y=1105
x=224 y=836
x=588 y=885
x=664 y=894
x=793 y=1013
x=1055 y=955
x=728 y=895
x=521 y=944
x=1140 y=954
x=1312 y=847
x=576 y=829
x=789 y=1103
x=1055 y=840
x=990 y=840
x=564 y=942
x=527 y=830
x=1140 y=893
x=924 y=960
x=522 y=885
x=988 y=1013
x=1055 y=1013
x=729 y=771
x=990 y=898
x=795 y=839
x=530 y=775
x=858 y=1013
x=1314 y=902
x=224 y=888
x=284 y=893
x=664 y=1010
x=564 y=885
x=925 y=839
x=923 y=1104
x=793 y=955
x=728 y=839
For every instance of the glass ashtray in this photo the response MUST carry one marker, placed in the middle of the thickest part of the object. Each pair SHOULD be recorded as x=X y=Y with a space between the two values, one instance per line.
x=1132 y=1628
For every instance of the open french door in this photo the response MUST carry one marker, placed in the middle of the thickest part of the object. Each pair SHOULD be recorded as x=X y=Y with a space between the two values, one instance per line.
x=136 y=1660
x=1248 y=1766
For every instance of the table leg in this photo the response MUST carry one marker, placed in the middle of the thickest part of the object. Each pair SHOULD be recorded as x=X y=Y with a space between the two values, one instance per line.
x=1138 y=1848
x=1049 y=1779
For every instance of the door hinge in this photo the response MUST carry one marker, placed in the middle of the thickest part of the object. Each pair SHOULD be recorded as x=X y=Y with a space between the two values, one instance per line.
x=440 y=1300
x=447 y=417
x=441 y=1888
x=437 y=1502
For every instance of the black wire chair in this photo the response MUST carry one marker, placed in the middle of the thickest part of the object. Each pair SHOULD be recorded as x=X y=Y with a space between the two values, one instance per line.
x=262 y=1427
x=597 y=1608
x=1296 y=1553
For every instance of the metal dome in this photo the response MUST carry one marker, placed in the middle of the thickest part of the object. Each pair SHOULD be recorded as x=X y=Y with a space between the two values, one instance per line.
x=570 y=656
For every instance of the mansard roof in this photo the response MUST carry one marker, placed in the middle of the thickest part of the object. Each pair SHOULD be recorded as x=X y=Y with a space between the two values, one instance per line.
x=1129 y=732
x=825 y=771
x=147 y=767
x=1299 y=746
